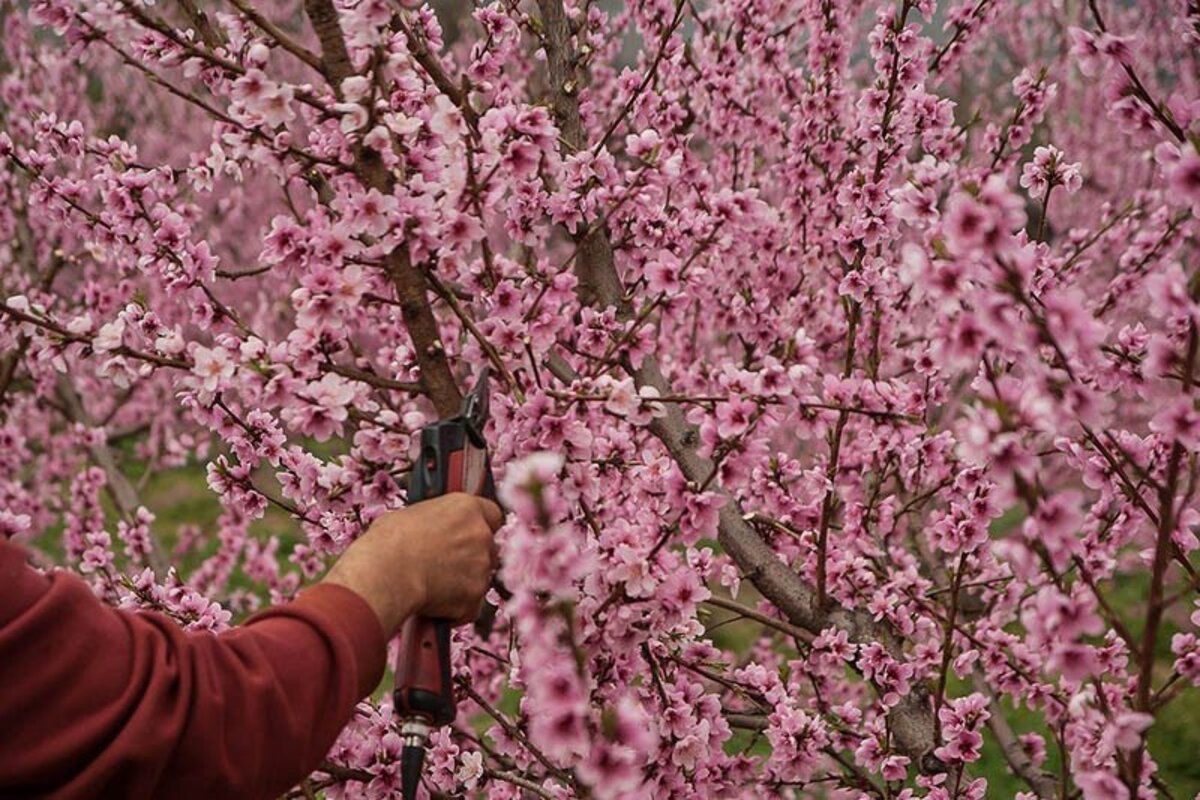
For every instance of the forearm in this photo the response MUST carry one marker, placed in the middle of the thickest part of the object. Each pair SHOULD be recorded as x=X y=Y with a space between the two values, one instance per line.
x=276 y=692
x=104 y=702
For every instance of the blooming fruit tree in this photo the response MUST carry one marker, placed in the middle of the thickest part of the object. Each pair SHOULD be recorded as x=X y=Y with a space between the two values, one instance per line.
x=867 y=330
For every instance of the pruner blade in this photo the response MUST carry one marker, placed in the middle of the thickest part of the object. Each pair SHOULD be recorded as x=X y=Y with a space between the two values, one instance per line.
x=475 y=404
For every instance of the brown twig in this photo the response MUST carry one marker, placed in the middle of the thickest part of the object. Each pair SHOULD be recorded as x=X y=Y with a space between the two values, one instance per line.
x=271 y=29
x=749 y=613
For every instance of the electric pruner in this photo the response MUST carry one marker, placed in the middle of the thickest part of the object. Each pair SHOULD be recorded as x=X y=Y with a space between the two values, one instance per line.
x=453 y=458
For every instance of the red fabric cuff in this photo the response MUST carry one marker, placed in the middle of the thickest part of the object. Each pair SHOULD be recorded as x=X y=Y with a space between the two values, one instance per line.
x=341 y=610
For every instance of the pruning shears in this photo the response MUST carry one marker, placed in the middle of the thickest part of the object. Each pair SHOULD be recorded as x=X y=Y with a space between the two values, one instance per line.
x=453 y=458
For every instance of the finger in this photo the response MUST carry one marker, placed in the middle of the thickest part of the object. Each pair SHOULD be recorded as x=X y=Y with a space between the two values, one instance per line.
x=470 y=616
x=491 y=513
x=494 y=552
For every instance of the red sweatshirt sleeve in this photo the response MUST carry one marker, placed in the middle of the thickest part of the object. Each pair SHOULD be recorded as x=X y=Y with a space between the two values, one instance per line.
x=100 y=702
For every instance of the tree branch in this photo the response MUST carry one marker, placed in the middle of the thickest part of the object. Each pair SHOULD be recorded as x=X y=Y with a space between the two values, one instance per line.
x=1043 y=784
x=378 y=381
x=272 y=30
x=199 y=19
x=911 y=721
x=345 y=773
x=407 y=280
x=763 y=619
x=335 y=58
x=517 y=780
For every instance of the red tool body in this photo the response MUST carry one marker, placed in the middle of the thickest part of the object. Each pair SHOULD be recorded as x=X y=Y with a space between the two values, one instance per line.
x=453 y=458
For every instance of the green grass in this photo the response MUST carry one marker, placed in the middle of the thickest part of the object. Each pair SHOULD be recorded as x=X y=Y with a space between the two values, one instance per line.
x=1175 y=744
x=750 y=743
x=181 y=497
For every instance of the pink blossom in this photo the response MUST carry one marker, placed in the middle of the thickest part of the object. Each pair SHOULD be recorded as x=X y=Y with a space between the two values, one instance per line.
x=1127 y=730
x=693 y=747
x=1034 y=747
x=1101 y=785
x=1048 y=169
x=895 y=768
x=213 y=367
x=471 y=770
x=269 y=101
x=1086 y=50
x=734 y=417
x=1183 y=177
x=1076 y=662
x=1179 y=422
x=622 y=398
x=634 y=572
x=1186 y=648
x=371 y=212
x=12 y=525
x=984 y=222
x=1168 y=292
x=663 y=274
x=109 y=336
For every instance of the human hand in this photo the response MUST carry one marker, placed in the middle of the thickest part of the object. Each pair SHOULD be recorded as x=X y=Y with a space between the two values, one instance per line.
x=434 y=558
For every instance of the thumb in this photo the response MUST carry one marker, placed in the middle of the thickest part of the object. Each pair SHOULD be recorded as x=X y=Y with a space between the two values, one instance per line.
x=491 y=513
